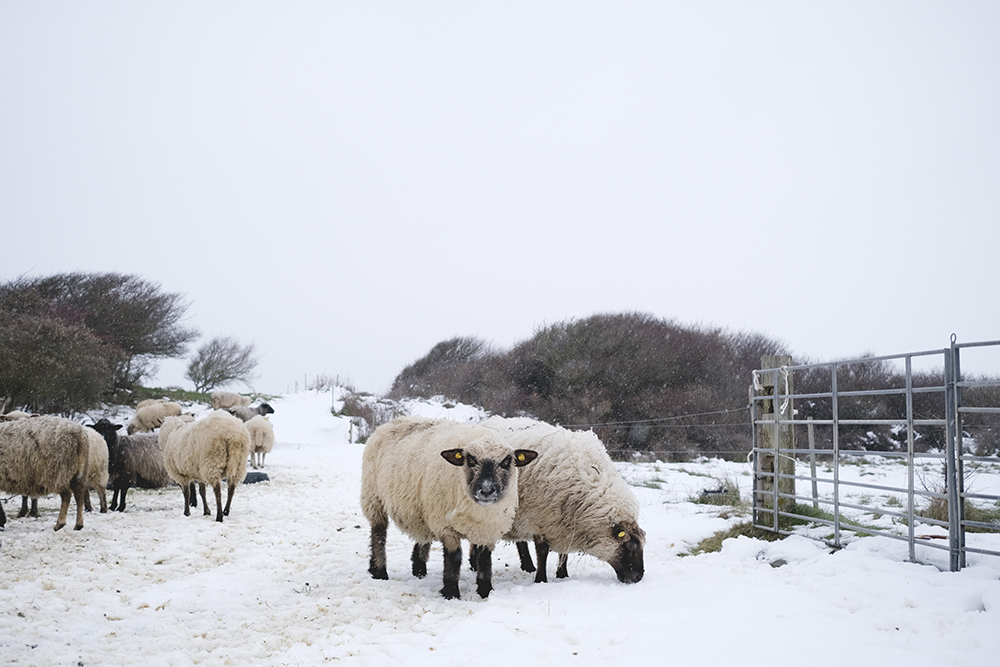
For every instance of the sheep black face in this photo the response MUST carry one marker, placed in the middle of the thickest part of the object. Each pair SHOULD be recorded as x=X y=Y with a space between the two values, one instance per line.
x=487 y=479
x=265 y=409
x=627 y=560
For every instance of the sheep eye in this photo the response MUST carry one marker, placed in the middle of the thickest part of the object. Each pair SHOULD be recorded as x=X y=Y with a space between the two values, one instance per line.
x=505 y=463
x=472 y=461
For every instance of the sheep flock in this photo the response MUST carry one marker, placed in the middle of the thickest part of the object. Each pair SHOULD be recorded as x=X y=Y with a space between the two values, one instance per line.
x=512 y=480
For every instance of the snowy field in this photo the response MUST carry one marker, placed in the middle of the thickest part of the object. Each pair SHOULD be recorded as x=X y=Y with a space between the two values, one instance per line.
x=283 y=582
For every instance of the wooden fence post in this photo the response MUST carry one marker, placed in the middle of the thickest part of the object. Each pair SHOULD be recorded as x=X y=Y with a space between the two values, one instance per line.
x=776 y=384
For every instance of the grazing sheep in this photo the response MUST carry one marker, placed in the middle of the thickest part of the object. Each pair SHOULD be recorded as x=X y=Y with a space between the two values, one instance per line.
x=133 y=460
x=440 y=480
x=246 y=414
x=152 y=416
x=150 y=401
x=97 y=470
x=222 y=400
x=572 y=500
x=45 y=455
x=206 y=451
x=17 y=414
x=261 y=440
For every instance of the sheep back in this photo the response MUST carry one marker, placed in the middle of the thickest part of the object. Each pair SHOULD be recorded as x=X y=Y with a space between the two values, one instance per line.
x=42 y=455
x=205 y=451
x=404 y=474
x=151 y=416
x=261 y=434
x=573 y=498
x=97 y=464
x=222 y=400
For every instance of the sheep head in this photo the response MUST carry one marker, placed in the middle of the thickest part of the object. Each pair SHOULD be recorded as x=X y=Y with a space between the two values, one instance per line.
x=488 y=475
x=627 y=559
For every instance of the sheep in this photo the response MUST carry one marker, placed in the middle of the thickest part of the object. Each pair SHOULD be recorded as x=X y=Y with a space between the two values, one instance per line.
x=440 y=480
x=133 y=460
x=17 y=414
x=206 y=451
x=152 y=416
x=45 y=455
x=97 y=470
x=150 y=401
x=573 y=500
x=261 y=440
x=246 y=414
x=222 y=400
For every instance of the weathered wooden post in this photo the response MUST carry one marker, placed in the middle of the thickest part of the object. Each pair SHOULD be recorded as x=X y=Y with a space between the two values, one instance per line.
x=774 y=435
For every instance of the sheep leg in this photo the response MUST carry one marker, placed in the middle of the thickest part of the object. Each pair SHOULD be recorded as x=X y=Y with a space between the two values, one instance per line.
x=474 y=557
x=79 y=487
x=452 y=565
x=3 y=517
x=217 y=487
x=526 y=563
x=194 y=496
x=230 y=490
x=484 y=571
x=186 y=490
x=63 y=508
x=118 y=501
x=204 y=501
x=24 y=507
x=87 y=505
x=542 y=553
x=562 y=572
x=103 y=497
x=376 y=563
x=419 y=559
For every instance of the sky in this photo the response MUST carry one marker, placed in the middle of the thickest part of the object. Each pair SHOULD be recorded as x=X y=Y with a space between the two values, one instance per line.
x=347 y=184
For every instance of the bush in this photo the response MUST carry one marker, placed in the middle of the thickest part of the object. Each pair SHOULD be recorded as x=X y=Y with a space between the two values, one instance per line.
x=630 y=376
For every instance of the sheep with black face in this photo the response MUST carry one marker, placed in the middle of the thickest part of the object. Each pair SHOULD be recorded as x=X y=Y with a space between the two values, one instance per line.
x=440 y=480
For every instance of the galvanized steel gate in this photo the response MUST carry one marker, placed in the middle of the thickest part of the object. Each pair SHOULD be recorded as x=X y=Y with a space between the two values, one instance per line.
x=936 y=407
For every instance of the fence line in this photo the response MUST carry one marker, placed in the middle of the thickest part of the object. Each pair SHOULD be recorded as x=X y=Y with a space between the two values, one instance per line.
x=776 y=502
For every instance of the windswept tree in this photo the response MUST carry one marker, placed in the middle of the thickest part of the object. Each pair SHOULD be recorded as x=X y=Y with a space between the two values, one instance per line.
x=220 y=361
x=132 y=317
x=52 y=367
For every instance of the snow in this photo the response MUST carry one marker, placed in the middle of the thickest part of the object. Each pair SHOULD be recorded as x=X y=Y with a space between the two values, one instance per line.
x=283 y=581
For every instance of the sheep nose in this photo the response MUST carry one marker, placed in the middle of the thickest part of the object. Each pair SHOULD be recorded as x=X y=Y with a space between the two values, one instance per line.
x=486 y=492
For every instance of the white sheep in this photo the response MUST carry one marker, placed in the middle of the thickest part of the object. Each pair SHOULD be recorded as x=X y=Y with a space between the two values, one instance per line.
x=45 y=455
x=222 y=400
x=261 y=440
x=17 y=414
x=150 y=401
x=206 y=451
x=246 y=414
x=152 y=416
x=97 y=469
x=440 y=480
x=572 y=500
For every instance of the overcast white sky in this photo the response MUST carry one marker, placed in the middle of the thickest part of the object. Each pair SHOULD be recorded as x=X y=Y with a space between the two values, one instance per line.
x=346 y=184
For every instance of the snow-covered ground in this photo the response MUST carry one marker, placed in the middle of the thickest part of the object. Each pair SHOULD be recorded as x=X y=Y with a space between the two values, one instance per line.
x=283 y=581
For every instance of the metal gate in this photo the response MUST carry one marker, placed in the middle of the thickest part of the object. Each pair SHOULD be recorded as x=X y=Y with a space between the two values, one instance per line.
x=928 y=433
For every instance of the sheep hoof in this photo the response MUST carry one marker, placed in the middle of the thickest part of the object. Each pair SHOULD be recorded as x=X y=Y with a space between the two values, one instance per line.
x=450 y=593
x=378 y=573
x=78 y=526
x=484 y=590
x=58 y=526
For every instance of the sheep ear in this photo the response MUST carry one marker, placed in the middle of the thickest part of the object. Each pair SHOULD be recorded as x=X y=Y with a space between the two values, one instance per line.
x=523 y=457
x=456 y=457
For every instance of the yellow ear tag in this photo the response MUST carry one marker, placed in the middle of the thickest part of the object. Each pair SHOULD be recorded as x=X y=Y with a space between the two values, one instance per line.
x=621 y=534
x=458 y=455
x=520 y=457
